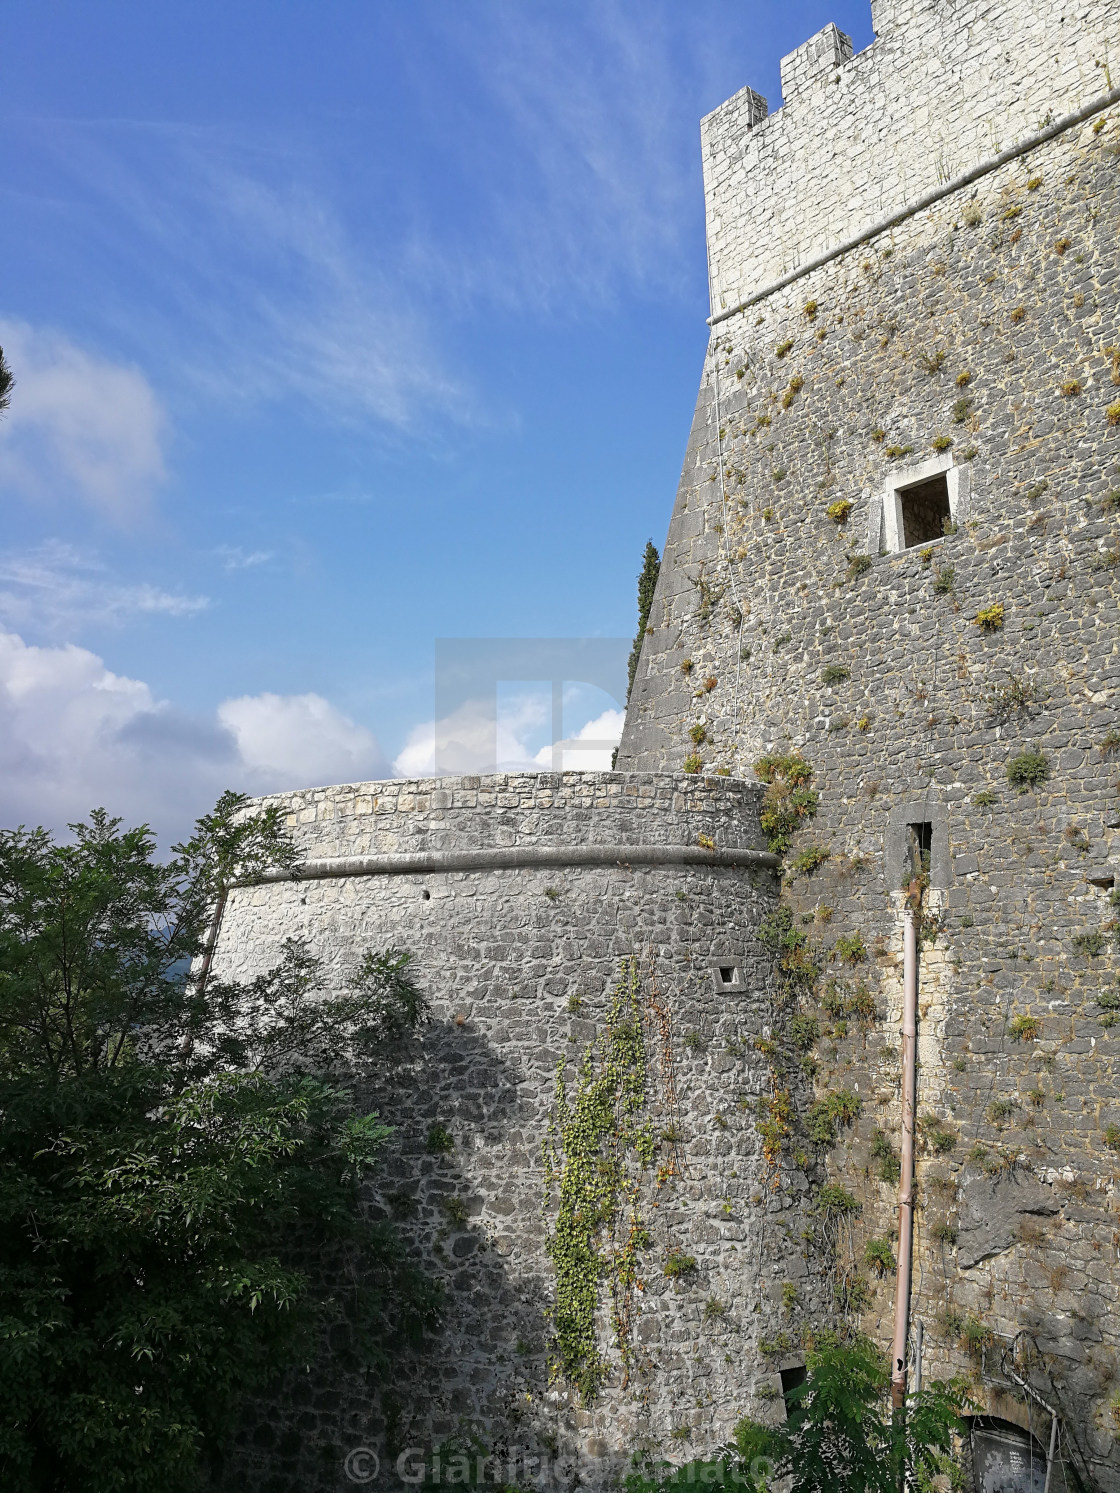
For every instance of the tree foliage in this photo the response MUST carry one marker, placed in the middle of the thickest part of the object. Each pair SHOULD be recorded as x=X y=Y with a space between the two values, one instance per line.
x=841 y=1434
x=179 y=1158
x=7 y=383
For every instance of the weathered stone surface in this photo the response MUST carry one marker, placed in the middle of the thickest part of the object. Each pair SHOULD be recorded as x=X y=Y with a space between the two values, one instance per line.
x=991 y=1209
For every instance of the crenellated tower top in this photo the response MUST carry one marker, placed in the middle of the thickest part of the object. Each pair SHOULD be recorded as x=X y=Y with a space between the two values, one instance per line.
x=945 y=86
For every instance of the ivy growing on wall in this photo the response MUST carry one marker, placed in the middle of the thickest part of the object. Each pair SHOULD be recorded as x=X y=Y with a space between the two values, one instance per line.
x=596 y=1150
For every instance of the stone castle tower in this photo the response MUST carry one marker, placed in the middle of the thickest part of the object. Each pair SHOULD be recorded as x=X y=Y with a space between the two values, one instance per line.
x=887 y=622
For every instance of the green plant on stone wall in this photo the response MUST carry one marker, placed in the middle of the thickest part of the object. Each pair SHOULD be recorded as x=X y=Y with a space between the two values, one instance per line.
x=835 y=674
x=1027 y=770
x=693 y=762
x=879 y=1256
x=796 y=966
x=1091 y=944
x=1020 y=696
x=809 y=860
x=789 y=802
x=851 y=948
x=804 y=1030
x=698 y=734
x=943 y=579
x=827 y=1115
x=887 y=1166
x=594 y=1154
x=679 y=1266
x=440 y=1141
x=990 y=618
x=840 y=511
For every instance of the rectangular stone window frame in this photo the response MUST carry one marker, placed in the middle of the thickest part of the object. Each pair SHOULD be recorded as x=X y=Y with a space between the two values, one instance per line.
x=727 y=975
x=885 y=532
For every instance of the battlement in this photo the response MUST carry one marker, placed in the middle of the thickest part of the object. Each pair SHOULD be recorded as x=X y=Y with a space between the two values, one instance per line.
x=943 y=88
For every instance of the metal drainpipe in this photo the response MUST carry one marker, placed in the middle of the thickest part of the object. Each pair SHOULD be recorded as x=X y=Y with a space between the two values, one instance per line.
x=1050 y=1453
x=906 y=1182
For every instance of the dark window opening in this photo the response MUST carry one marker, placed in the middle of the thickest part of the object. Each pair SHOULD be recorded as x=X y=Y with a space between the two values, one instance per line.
x=925 y=511
x=792 y=1379
x=727 y=976
x=919 y=849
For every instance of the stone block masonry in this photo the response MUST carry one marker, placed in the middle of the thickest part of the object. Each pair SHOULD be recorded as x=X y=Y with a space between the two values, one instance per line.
x=519 y=956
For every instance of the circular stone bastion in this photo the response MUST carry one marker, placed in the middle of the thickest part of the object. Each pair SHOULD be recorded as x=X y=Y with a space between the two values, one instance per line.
x=583 y=939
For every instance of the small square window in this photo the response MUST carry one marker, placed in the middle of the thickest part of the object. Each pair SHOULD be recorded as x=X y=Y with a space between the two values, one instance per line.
x=925 y=511
x=920 y=506
x=727 y=975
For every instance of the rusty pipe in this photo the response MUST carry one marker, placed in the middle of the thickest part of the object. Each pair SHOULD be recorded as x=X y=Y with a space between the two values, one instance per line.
x=906 y=1181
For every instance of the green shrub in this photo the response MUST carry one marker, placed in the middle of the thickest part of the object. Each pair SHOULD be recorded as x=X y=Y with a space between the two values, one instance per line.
x=1090 y=944
x=990 y=618
x=879 y=1256
x=834 y=1200
x=788 y=801
x=1027 y=770
x=796 y=967
x=1024 y=1028
x=850 y=947
x=440 y=1141
x=804 y=1030
x=835 y=674
x=888 y=1168
x=826 y=1115
x=679 y=1266
x=809 y=860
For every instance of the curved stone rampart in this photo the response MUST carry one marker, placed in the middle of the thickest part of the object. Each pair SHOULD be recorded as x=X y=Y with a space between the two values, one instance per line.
x=519 y=962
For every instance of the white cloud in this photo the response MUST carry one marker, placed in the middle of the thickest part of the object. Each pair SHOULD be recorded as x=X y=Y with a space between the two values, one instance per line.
x=300 y=739
x=590 y=749
x=74 y=735
x=80 y=426
x=54 y=590
x=471 y=741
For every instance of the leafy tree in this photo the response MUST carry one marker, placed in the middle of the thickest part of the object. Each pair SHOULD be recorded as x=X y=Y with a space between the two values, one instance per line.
x=841 y=1435
x=180 y=1157
x=7 y=383
x=647 y=584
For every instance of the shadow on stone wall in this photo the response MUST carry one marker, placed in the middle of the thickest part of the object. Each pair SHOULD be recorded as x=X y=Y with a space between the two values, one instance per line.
x=456 y=1185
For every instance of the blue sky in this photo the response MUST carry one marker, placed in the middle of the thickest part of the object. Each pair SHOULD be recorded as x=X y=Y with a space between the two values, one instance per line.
x=338 y=328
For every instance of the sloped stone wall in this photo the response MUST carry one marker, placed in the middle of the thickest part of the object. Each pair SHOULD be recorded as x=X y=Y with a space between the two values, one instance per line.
x=980 y=335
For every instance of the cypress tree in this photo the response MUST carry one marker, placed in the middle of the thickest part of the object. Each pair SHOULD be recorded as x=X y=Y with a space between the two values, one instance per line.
x=647 y=584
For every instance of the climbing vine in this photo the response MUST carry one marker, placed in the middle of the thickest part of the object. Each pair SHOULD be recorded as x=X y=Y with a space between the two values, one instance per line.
x=595 y=1152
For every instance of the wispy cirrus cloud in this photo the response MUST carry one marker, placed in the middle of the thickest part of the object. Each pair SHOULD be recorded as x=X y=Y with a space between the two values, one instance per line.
x=81 y=426
x=233 y=557
x=237 y=270
x=55 y=591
